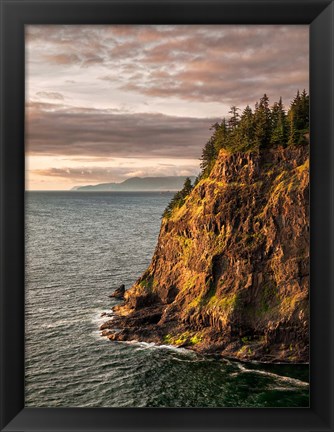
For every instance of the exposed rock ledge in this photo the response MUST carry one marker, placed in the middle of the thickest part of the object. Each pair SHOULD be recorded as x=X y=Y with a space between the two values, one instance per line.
x=230 y=273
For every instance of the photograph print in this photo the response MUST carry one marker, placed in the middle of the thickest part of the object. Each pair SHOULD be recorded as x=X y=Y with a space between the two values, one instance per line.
x=167 y=216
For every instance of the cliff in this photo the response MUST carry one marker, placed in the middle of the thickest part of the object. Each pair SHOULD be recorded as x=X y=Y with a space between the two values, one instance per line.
x=230 y=273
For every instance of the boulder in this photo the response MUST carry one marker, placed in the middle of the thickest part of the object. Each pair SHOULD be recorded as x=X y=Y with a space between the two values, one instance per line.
x=119 y=292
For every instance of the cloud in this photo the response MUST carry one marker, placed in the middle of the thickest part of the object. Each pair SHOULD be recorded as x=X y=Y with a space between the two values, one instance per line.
x=213 y=63
x=85 y=175
x=50 y=95
x=61 y=130
x=235 y=66
x=79 y=174
x=183 y=76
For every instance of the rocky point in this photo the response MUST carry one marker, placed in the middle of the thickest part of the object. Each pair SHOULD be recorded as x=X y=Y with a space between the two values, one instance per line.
x=230 y=273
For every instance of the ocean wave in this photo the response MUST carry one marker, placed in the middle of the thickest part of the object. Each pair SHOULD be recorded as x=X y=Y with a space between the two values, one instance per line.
x=294 y=381
x=97 y=319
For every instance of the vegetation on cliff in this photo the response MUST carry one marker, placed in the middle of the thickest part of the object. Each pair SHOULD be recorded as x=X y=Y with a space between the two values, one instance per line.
x=267 y=127
x=230 y=272
x=179 y=198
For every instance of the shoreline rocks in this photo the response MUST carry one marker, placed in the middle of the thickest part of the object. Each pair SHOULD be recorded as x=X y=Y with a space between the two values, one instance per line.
x=119 y=292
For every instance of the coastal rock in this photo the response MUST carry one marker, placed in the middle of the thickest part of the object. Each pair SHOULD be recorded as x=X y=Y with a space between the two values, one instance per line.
x=230 y=273
x=107 y=333
x=106 y=314
x=119 y=292
x=107 y=325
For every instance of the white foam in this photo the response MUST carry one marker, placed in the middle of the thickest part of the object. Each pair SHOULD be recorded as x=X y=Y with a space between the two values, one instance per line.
x=141 y=346
x=177 y=349
x=97 y=319
x=152 y=345
x=290 y=380
x=96 y=334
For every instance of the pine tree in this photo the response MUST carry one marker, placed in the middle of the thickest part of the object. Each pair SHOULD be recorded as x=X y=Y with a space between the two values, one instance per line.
x=220 y=135
x=234 y=119
x=293 y=135
x=246 y=130
x=304 y=110
x=251 y=131
x=298 y=118
x=208 y=158
x=279 y=133
x=179 y=198
x=187 y=187
x=262 y=119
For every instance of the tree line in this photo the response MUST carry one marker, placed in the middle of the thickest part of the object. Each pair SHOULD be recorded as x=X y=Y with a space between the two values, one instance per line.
x=261 y=128
x=251 y=130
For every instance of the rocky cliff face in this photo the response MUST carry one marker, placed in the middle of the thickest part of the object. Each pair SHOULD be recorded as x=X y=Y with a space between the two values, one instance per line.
x=230 y=272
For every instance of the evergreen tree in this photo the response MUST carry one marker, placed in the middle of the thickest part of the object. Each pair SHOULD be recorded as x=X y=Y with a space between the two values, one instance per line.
x=304 y=110
x=298 y=118
x=179 y=198
x=234 y=119
x=295 y=107
x=262 y=119
x=279 y=134
x=251 y=131
x=187 y=187
x=293 y=135
x=208 y=158
x=220 y=135
x=246 y=130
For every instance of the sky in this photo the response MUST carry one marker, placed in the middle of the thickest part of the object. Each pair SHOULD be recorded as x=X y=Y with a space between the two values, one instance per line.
x=108 y=102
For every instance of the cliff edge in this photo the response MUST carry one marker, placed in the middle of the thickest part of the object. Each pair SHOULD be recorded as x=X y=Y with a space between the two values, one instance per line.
x=230 y=273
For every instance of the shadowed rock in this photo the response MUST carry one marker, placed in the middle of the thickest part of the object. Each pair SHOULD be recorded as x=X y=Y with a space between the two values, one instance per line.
x=119 y=292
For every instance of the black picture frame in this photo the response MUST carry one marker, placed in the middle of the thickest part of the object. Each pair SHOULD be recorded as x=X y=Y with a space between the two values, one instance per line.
x=319 y=14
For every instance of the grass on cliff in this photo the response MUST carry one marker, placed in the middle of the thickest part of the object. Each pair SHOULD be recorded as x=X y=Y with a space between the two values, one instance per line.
x=185 y=338
x=147 y=283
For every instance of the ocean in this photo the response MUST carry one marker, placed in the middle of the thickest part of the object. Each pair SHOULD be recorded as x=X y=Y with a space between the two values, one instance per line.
x=80 y=246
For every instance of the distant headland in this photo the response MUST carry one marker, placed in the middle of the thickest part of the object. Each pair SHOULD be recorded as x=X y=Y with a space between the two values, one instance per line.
x=138 y=184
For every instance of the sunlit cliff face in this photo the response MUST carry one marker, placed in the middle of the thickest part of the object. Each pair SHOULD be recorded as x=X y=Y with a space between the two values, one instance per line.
x=104 y=103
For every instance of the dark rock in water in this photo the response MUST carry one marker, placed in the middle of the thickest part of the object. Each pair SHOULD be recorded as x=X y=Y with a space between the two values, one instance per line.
x=106 y=314
x=119 y=293
x=106 y=325
x=106 y=333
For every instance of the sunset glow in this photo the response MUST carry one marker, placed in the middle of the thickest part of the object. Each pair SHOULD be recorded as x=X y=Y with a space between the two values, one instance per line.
x=105 y=103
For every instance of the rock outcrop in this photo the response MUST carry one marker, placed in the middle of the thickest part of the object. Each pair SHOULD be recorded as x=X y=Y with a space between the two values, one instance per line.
x=119 y=292
x=230 y=273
